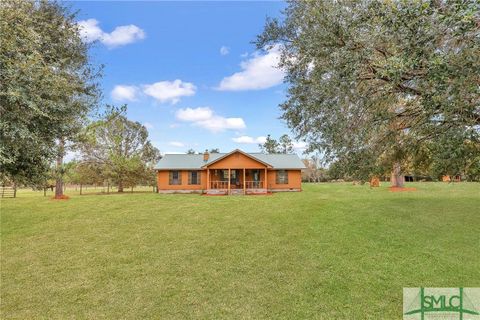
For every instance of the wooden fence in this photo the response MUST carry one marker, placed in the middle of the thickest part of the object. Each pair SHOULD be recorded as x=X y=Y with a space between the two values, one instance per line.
x=8 y=192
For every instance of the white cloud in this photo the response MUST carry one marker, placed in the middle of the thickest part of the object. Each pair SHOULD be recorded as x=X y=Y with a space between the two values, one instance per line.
x=169 y=91
x=177 y=144
x=122 y=35
x=224 y=50
x=258 y=72
x=148 y=125
x=218 y=123
x=194 y=115
x=124 y=93
x=299 y=145
x=206 y=118
x=249 y=140
x=89 y=30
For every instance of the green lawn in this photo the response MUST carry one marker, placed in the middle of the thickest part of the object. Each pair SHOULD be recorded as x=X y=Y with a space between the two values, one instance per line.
x=333 y=251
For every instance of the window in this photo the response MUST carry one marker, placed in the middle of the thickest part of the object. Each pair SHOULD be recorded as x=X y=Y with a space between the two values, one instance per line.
x=194 y=177
x=233 y=175
x=282 y=177
x=224 y=175
x=175 y=178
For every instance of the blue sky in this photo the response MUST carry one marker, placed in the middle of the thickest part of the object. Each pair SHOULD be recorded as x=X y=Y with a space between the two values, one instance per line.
x=188 y=70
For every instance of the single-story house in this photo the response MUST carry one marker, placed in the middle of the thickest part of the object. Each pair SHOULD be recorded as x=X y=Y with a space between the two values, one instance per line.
x=236 y=172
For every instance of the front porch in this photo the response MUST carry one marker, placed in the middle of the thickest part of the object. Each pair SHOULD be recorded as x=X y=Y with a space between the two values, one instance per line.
x=235 y=181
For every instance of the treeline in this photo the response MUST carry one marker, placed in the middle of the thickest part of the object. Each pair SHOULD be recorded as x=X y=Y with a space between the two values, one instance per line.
x=316 y=171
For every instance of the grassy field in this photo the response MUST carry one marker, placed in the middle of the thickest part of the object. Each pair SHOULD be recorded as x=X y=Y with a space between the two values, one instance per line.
x=333 y=251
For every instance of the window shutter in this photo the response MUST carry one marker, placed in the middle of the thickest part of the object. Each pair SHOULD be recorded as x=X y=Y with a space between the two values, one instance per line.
x=277 y=177
x=285 y=179
x=189 y=177
x=170 y=177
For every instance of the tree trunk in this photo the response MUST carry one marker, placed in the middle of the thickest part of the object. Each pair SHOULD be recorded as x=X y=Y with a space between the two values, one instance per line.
x=120 y=186
x=80 y=189
x=59 y=173
x=397 y=179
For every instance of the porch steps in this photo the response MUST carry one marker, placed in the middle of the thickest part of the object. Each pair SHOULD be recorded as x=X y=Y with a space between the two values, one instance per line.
x=235 y=192
x=216 y=191
x=256 y=191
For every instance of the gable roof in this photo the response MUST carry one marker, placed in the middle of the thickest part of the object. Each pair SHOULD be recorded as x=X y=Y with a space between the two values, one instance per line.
x=195 y=161
x=211 y=161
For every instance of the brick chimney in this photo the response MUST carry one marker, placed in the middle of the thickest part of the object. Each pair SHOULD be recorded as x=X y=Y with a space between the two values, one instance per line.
x=206 y=156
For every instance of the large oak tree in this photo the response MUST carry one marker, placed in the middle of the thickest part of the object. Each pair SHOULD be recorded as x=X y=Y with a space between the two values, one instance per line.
x=371 y=81
x=47 y=86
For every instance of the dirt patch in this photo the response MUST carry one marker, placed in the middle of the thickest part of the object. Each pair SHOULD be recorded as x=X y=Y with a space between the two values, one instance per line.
x=62 y=197
x=398 y=189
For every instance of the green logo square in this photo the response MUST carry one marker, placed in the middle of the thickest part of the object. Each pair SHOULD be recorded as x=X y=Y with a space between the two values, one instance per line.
x=441 y=303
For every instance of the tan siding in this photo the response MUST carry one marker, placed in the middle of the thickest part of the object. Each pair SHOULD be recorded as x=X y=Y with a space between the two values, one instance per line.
x=294 y=180
x=163 y=181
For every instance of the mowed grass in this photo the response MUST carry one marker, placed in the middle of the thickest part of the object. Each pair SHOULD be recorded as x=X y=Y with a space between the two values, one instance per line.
x=333 y=251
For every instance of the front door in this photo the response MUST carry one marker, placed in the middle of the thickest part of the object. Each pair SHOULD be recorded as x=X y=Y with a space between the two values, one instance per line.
x=234 y=179
x=256 y=178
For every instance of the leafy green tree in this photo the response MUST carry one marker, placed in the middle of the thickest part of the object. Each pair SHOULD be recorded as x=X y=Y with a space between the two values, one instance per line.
x=89 y=173
x=372 y=81
x=269 y=146
x=120 y=146
x=47 y=86
x=455 y=155
x=285 y=144
x=215 y=150
x=191 y=151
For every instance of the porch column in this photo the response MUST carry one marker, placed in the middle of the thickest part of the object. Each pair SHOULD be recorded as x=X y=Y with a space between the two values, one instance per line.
x=208 y=178
x=244 y=182
x=229 y=178
x=266 y=180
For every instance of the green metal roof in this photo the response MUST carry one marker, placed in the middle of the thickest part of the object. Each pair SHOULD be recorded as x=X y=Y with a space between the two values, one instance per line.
x=195 y=161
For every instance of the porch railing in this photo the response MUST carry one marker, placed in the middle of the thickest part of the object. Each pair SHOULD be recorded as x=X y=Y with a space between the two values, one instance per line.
x=218 y=184
x=254 y=184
